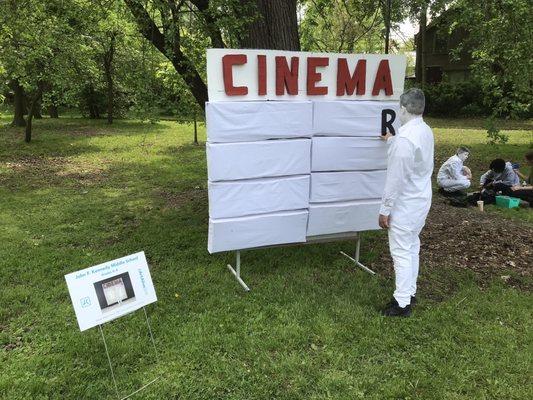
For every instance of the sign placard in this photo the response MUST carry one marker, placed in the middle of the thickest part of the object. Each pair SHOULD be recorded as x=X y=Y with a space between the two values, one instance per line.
x=245 y=75
x=110 y=290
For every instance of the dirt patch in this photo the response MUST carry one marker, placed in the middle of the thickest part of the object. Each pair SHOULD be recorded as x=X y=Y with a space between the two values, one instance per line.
x=24 y=163
x=487 y=244
x=13 y=345
x=54 y=170
x=87 y=132
x=176 y=200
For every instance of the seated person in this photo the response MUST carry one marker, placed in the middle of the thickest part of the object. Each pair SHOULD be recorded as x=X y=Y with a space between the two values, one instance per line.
x=501 y=177
x=525 y=192
x=453 y=176
x=529 y=162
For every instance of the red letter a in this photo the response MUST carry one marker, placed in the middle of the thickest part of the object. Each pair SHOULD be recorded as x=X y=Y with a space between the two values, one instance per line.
x=383 y=79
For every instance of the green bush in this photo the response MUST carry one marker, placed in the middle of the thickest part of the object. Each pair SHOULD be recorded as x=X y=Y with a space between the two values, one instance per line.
x=455 y=99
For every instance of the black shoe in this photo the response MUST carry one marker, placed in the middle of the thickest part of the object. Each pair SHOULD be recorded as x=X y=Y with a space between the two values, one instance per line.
x=393 y=309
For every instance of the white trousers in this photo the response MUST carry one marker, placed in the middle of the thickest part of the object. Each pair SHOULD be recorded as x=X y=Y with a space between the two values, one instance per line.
x=404 y=247
x=451 y=185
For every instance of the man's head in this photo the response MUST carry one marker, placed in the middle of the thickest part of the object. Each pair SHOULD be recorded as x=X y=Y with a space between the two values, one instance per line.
x=497 y=165
x=412 y=103
x=529 y=157
x=463 y=153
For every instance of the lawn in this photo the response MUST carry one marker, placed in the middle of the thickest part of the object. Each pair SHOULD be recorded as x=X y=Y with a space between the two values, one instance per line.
x=83 y=193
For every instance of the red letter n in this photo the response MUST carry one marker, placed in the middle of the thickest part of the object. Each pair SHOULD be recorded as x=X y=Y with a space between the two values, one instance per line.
x=228 y=61
x=383 y=79
x=285 y=77
x=347 y=84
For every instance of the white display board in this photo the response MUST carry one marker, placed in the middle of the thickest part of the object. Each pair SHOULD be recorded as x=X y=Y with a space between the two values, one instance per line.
x=267 y=158
x=293 y=143
x=110 y=290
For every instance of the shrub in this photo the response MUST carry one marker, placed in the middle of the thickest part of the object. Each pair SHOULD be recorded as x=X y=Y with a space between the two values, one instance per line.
x=455 y=99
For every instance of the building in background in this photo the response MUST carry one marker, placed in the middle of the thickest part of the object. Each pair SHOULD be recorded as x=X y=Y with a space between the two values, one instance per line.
x=441 y=62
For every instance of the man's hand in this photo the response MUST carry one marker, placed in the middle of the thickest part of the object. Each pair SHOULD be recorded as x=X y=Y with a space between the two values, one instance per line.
x=384 y=221
x=386 y=137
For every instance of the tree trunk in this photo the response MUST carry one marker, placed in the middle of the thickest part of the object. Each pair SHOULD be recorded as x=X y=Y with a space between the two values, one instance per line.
x=53 y=111
x=18 y=102
x=31 y=111
x=37 y=109
x=387 y=26
x=108 y=70
x=275 y=25
x=420 y=67
x=92 y=104
x=169 y=47
x=195 y=130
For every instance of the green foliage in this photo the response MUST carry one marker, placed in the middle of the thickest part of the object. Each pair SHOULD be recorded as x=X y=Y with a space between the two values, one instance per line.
x=454 y=99
x=494 y=135
x=500 y=38
x=346 y=26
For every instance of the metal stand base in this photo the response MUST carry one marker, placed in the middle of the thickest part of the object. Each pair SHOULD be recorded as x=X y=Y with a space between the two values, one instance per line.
x=237 y=271
x=111 y=365
x=356 y=259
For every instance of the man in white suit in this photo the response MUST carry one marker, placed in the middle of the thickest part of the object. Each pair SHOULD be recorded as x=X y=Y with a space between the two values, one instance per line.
x=453 y=177
x=407 y=197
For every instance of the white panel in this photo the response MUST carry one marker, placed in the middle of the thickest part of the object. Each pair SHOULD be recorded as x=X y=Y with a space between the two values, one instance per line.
x=258 y=196
x=258 y=120
x=270 y=158
x=350 y=185
x=256 y=231
x=350 y=216
x=351 y=118
x=247 y=75
x=348 y=154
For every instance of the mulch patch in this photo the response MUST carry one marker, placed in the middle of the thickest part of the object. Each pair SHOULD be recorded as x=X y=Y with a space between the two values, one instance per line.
x=487 y=244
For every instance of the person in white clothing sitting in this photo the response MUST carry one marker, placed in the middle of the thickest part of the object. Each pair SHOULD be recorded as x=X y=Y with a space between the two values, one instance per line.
x=407 y=197
x=453 y=177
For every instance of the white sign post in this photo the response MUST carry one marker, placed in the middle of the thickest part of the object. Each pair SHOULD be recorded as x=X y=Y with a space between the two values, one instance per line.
x=110 y=290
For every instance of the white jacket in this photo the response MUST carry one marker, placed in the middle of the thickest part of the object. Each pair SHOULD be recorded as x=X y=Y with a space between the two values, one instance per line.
x=407 y=195
x=451 y=169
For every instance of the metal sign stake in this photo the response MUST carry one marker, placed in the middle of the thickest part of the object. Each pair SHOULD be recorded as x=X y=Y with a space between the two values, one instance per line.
x=109 y=360
x=111 y=365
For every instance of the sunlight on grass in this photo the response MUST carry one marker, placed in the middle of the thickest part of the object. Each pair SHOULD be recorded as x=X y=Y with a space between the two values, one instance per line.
x=84 y=192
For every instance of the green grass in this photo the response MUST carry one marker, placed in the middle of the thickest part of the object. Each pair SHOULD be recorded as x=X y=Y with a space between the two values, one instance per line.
x=83 y=193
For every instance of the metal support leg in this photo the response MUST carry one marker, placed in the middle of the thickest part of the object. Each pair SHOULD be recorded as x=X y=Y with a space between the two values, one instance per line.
x=151 y=335
x=357 y=253
x=237 y=271
x=109 y=360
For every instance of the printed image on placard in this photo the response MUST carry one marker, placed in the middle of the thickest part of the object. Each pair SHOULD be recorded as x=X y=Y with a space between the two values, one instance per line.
x=114 y=292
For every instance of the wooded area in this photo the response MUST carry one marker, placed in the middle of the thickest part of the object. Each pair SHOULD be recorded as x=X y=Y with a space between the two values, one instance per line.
x=145 y=58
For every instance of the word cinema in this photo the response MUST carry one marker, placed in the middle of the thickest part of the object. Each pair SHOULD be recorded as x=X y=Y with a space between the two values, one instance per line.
x=281 y=75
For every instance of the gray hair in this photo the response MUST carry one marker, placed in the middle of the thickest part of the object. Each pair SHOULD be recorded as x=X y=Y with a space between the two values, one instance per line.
x=463 y=149
x=414 y=101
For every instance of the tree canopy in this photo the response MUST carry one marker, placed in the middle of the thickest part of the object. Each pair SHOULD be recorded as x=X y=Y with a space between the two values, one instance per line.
x=113 y=57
